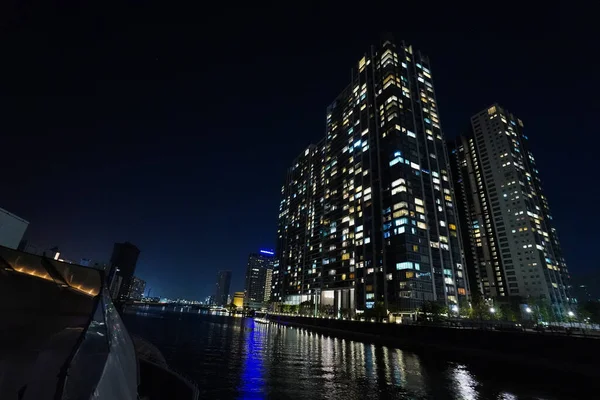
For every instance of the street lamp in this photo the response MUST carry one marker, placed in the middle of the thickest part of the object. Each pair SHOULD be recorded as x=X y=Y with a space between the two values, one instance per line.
x=492 y=310
x=571 y=314
x=528 y=310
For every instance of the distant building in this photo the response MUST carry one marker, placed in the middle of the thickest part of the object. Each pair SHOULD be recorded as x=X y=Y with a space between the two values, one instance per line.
x=138 y=286
x=100 y=265
x=12 y=229
x=238 y=299
x=583 y=294
x=52 y=252
x=210 y=300
x=123 y=262
x=222 y=288
x=258 y=270
x=85 y=262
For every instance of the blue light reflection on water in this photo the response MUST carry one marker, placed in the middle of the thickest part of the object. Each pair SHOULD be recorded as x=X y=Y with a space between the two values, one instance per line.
x=253 y=382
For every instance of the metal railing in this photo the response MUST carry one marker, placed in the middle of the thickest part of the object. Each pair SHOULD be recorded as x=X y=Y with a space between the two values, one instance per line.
x=95 y=357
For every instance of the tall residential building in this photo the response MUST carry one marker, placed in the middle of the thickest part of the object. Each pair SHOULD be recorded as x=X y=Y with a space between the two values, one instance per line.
x=123 y=261
x=222 y=288
x=513 y=249
x=368 y=214
x=12 y=229
x=138 y=286
x=258 y=273
x=268 y=283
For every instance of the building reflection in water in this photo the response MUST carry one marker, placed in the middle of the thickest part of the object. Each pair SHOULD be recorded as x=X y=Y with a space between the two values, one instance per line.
x=235 y=358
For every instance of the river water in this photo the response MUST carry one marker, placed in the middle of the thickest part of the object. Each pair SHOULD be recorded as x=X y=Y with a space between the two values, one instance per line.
x=237 y=358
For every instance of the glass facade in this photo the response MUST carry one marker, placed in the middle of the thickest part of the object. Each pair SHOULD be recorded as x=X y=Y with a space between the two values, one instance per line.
x=368 y=214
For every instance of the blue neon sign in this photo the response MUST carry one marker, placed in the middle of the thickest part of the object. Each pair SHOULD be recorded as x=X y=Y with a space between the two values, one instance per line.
x=271 y=253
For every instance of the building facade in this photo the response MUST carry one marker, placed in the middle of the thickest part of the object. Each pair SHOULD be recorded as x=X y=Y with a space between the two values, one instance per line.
x=258 y=273
x=512 y=248
x=222 y=288
x=238 y=299
x=368 y=214
x=123 y=262
x=268 y=283
x=138 y=286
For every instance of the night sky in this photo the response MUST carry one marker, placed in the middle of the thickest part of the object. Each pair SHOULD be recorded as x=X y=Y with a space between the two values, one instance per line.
x=172 y=128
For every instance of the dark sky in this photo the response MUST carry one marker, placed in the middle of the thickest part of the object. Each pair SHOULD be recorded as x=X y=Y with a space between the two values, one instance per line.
x=172 y=128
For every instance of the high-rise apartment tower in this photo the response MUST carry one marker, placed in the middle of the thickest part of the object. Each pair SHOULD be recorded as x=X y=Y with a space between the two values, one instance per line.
x=512 y=248
x=368 y=214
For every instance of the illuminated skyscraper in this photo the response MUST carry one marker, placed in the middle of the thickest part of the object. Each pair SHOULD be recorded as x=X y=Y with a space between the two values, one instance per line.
x=258 y=278
x=513 y=249
x=138 y=286
x=367 y=215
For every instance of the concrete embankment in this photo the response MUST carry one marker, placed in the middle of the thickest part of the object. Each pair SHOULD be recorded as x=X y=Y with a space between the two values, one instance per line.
x=575 y=355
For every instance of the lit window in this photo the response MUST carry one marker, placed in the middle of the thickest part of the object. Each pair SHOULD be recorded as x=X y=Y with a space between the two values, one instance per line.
x=398 y=190
x=398 y=182
x=404 y=265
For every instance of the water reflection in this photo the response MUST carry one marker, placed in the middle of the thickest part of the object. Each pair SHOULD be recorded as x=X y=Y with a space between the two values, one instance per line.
x=464 y=382
x=235 y=358
x=253 y=381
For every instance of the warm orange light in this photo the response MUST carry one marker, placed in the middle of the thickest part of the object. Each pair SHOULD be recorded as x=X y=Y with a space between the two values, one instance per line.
x=47 y=277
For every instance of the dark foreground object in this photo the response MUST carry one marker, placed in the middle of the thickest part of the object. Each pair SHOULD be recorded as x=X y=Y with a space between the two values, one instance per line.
x=61 y=337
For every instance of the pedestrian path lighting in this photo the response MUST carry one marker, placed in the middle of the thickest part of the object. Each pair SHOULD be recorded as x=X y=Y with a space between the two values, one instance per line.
x=571 y=315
